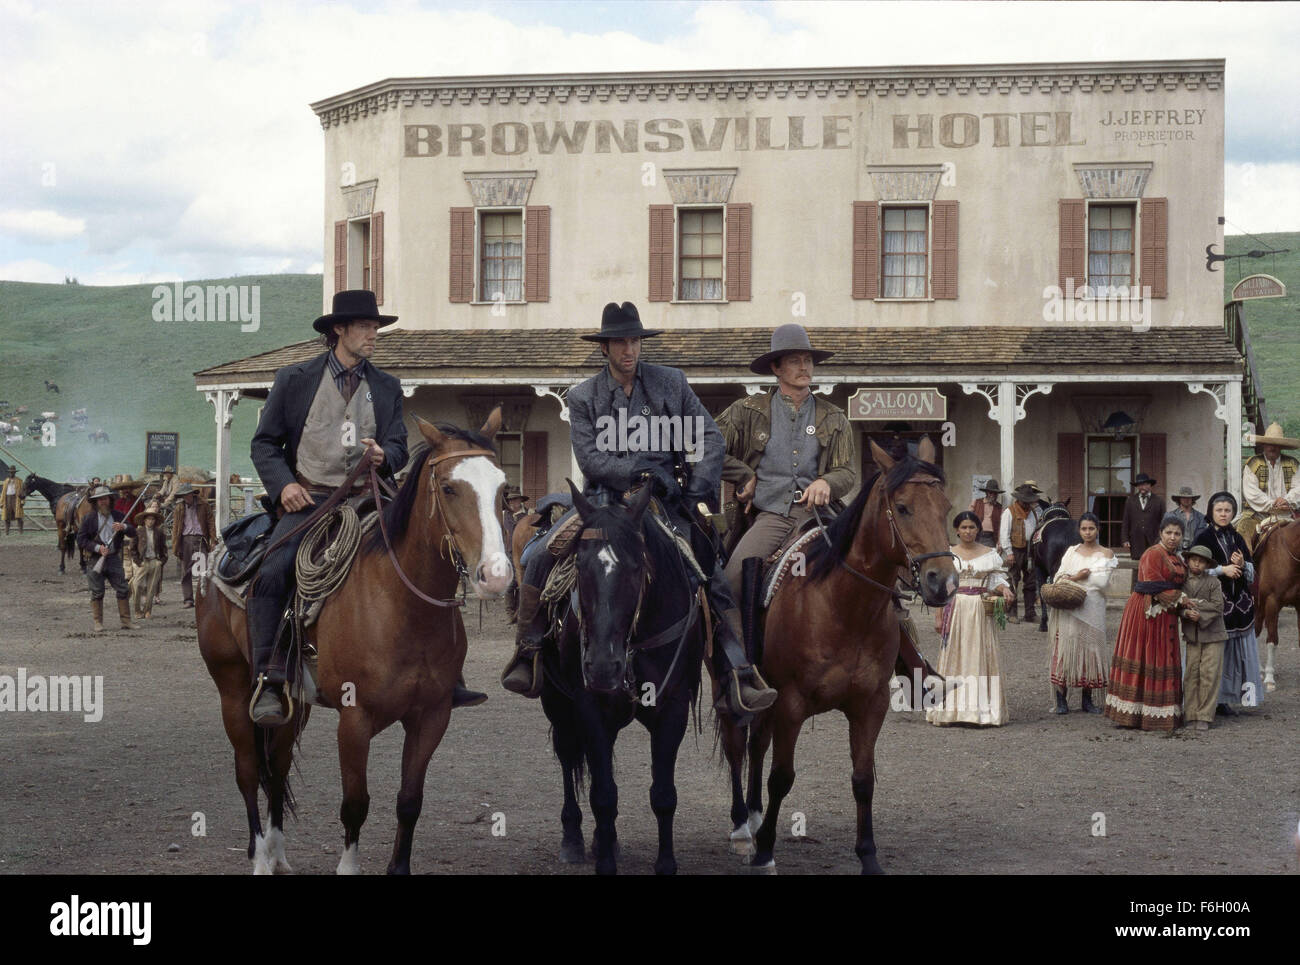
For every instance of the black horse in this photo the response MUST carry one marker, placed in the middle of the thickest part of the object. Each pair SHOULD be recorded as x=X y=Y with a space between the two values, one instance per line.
x=1056 y=533
x=632 y=650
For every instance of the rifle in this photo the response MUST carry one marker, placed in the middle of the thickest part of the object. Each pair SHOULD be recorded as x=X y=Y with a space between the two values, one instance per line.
x=99 y=563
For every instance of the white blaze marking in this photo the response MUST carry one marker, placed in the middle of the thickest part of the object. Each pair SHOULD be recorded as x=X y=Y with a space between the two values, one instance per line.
x=607 y=557
x=486 y=479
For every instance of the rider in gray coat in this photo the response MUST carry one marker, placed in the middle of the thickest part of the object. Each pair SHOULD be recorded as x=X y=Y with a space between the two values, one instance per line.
x=618 y=420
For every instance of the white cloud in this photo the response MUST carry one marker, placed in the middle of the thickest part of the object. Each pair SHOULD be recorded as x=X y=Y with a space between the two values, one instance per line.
x=1261 y=197
x=30 y=269
x=41 y=225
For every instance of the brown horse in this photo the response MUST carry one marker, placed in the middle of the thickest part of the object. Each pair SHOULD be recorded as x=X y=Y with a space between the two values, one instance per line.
x=68 y=507
x=385 y=655
x=832 y=633
x=1277 y=560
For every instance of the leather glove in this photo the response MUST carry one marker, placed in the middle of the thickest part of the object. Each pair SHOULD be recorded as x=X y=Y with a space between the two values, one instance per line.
x=665 y=485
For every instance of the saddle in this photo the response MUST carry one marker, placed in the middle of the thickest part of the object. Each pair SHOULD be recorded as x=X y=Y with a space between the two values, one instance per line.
x=1267 y=528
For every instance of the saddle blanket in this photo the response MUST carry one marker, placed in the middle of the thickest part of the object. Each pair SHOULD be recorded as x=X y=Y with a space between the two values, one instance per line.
x=785 y=562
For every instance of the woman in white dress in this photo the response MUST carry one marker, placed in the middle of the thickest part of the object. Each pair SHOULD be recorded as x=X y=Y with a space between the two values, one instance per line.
x=969 y=634
x=1080 y=648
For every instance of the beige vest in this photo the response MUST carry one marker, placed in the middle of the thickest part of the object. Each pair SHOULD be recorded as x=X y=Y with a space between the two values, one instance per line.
x=322 y=456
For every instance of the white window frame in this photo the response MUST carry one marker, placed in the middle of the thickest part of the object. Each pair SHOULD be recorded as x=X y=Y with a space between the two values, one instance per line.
x=929 y=248
x=356 y=265
x=677 y=264
x=478 y=252
x=1087 y=246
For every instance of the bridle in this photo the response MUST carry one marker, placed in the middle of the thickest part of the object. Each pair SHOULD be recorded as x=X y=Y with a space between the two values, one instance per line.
x=895 y=535
x=449 y=549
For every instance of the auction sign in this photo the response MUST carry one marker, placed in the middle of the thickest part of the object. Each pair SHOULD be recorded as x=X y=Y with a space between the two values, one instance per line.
x=162 y=449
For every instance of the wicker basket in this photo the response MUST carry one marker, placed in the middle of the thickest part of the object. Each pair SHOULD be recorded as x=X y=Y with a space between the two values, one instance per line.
x=1065 y=595
x=990 y=603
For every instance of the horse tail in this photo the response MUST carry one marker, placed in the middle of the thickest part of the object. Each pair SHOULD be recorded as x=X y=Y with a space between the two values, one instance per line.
x=263 y=741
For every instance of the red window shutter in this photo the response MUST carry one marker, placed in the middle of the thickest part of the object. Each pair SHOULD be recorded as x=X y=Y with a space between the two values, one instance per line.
x=1155 y=248
x=866 y=250
x=537 y=253
x=943 y=275
x=377 y=256
x=534 y=468
x=1069 y=471
x=460 y=287
x=340 y=255
x=1073 y=250
x=739 y=251
x=661 y=252
x=1151 y=459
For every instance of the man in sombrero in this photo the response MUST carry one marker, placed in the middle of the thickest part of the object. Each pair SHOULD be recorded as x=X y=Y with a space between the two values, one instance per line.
x=1269 y=482
x=627 y=383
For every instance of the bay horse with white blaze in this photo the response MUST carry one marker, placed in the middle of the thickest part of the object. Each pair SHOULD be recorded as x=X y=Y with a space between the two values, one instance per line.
x=384 y=654
x=1277 y=562
x=832 y=634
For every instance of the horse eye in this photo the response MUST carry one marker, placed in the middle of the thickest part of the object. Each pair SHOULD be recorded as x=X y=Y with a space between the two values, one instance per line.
x=448 y=490
x=903 y=510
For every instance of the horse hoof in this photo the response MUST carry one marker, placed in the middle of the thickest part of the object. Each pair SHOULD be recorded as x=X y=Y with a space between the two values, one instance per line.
x=872 y=867
x=1270 y=686
x=571 y=852
x=350 y=862
x=742 y=840
x=666 y=866
x=768 y=867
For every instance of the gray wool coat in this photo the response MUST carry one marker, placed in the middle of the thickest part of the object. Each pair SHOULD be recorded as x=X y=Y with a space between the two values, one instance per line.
x=665 y=392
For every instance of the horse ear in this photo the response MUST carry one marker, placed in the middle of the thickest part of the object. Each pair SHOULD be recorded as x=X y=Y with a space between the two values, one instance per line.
x=640 y=501
x=925 y=450
x=580 y=502
x=431 y=433
x=883 y=459
x=492 y=425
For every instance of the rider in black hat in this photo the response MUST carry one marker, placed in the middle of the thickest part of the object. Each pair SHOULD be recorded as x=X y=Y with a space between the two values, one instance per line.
x=684 y=480
x=302 y=454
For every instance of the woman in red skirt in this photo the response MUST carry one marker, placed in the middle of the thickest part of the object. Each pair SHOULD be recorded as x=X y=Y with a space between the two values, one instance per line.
x=1146 y=687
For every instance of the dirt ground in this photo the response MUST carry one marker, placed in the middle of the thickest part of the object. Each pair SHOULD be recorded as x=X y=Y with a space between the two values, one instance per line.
x=112 y=796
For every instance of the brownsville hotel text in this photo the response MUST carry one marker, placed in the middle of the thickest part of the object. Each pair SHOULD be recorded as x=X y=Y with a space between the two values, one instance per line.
x=794 y=132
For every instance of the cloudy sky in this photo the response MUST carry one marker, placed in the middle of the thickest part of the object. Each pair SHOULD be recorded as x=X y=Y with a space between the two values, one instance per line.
x=162 y=141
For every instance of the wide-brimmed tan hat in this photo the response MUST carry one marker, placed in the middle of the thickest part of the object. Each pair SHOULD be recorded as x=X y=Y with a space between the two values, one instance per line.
x=1185 y=492
x=150 y=510
x=790 y=337
x=185 y=489
x=100 y=493
x=1274 y=437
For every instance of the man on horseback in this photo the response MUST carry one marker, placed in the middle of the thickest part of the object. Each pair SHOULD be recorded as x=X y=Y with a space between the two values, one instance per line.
x=1269 y=483
x=629 y=393
x=321 y=418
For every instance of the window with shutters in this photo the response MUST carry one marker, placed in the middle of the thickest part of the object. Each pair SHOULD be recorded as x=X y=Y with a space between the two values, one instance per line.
x=501 y=255
x=358 y=268
x=700 y=254
x=905 y=251
x=1110 y=480
x=1111 y=247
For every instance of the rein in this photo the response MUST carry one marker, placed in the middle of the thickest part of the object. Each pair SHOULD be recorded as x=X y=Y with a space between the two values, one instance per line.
x=913 y=562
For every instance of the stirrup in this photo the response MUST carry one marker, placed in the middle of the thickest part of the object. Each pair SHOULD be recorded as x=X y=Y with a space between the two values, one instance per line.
x=257 y=692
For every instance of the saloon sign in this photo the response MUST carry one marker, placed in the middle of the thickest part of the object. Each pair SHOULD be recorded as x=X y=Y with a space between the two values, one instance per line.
x=885 y=404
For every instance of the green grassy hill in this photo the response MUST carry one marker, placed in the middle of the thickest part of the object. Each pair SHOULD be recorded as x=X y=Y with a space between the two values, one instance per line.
x=1273 y=323
x=132 y=374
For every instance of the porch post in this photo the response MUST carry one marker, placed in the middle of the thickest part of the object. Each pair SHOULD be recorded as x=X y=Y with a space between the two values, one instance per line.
x=223 y=401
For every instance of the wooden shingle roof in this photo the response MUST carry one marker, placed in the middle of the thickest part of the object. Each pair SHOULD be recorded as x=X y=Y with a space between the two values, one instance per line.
x=872 y=352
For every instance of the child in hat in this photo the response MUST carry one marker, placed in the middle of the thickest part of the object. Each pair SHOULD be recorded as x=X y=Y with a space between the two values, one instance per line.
x=1203 y=637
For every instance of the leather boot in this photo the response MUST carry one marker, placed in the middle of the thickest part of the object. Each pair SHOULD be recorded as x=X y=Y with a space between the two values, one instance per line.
x=97 y=613
x=124 y=611
x=1061 y=706
x=744 y=691
x=523 y=674
x=1088 y=706
x=267 y=706
x=462 y=696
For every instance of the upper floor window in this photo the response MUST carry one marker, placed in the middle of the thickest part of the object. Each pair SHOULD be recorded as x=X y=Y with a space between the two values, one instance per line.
x=700 y=255
x=905 y=252
x=501 y=256
x=359 y=253
x=1110 y=246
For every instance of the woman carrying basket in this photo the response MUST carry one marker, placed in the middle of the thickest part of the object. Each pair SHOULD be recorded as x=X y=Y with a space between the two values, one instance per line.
x=1080 y=647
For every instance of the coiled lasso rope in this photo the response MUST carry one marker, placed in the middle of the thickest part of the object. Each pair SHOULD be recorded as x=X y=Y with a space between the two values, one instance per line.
x=317 y=580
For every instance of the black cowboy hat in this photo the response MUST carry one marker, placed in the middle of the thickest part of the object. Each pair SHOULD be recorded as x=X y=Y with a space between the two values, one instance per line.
x=620 y=321
x=1143 y=478
x=350 y=306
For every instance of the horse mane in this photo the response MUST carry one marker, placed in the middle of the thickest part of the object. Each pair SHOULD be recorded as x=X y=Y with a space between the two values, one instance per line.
x=398 y=513
x=821 y=557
